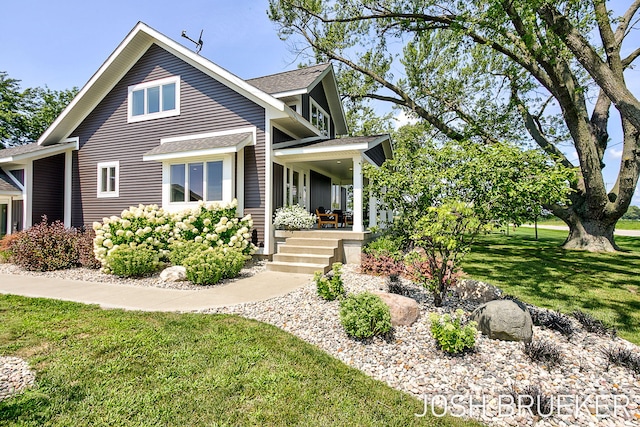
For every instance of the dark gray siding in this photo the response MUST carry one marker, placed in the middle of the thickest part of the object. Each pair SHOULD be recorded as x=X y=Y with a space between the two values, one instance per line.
x=105 y=135
x=278 y=136
x=377 y=154
x=318 y=95
x=320 y=189
x=48 y=189
x=17 y=211
x=278 y=186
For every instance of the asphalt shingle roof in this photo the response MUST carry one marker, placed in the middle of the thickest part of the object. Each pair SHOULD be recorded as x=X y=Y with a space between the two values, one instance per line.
x=288 y=80
x=220 y=141
x=21 y=149
x=6 y=184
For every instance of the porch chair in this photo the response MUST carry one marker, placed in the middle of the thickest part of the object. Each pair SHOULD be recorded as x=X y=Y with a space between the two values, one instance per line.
x=326 y=218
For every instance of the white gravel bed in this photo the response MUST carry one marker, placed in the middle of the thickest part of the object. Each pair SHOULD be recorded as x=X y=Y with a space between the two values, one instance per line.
x=90 y=275
x=410 y=361
x=15 y=376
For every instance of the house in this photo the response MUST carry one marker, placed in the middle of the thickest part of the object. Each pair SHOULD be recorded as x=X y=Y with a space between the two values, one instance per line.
x=159 y=124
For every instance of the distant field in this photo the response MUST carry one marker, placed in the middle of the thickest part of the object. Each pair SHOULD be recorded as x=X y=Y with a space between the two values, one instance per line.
x=623 y=224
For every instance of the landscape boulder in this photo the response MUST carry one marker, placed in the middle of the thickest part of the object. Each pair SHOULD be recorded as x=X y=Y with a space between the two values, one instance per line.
x=504 y=320
x=475 y=291
x=404 y=310
x=176 y=273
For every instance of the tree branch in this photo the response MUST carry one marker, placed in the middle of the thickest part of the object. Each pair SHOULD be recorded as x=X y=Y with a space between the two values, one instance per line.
x=626 y=62
x=616 y=90
x=621 y=31
x=536 y=132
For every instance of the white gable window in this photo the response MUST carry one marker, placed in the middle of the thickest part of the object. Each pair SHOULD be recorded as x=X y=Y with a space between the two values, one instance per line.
x=109 y=179
x=152 y=100
x=320 y=118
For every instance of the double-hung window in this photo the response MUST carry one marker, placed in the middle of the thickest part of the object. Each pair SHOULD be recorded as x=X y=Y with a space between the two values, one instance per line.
x=320 y=119
x=151 y=100
x=109 y=179
x=197 y=181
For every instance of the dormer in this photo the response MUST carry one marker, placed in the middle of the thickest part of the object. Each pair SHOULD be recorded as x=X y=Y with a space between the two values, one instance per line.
x=311 y=92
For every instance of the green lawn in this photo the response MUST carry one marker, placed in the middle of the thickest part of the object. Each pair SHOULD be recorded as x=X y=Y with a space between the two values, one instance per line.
x=115 y=368
x=542 y=273
x=623 y=224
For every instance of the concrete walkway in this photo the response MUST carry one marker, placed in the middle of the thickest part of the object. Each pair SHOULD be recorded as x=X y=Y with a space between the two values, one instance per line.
x=262 y=286
x=628 y=233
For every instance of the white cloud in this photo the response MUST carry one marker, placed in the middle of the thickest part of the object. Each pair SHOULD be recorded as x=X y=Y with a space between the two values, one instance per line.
x=615 y=152
x=402 y=118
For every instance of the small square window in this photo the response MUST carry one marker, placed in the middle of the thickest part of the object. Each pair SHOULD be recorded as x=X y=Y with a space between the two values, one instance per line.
x=108 y=179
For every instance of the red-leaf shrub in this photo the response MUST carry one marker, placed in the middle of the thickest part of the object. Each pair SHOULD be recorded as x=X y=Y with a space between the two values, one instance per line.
x=86 y=257
x=46 y=247
x=6 y=244
x=381 y=265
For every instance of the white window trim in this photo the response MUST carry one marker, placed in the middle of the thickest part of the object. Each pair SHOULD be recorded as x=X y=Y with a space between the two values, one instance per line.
x=105 y=194
x=169 y=113
x=227 y=181
x=322 y=110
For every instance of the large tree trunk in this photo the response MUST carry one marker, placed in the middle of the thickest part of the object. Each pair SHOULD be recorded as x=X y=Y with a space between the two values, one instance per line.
x=590 y=235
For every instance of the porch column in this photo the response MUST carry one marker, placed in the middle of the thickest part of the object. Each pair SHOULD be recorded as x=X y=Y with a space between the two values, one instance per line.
x=373 y=212
x=357 y=194
x=290 y=180
x=68 y=164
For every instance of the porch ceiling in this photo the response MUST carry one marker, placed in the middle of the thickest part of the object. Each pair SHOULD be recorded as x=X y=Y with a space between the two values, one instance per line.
x=341 y=169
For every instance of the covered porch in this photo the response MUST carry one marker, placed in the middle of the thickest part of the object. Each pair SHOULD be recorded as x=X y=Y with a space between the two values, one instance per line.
x=328 y=174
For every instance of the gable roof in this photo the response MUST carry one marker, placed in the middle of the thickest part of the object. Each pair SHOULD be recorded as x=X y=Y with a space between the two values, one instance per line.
x=288 y=81
x=302 y=81
x=7 y=185
x=120 y=62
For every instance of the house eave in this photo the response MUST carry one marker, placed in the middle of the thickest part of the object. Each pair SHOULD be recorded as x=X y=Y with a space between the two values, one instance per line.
x=72 y=144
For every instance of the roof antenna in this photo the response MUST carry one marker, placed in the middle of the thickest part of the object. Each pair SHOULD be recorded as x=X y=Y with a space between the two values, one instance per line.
x=198 y=43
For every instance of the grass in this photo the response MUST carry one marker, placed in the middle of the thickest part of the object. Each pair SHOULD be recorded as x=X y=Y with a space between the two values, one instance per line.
x=540 y=272
x=115 y=368
x=623 y=224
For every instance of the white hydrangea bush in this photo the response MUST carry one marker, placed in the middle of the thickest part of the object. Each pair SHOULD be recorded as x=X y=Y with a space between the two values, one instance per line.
x=293 y=217
x=155 y=228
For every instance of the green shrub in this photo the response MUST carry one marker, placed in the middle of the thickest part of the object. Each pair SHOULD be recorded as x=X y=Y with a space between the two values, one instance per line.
x=450 y=334
x=45 y=247
x=364 y=315
x=210 y=266
x=388 y=246
x=132 y=262
x=179 y=251
x=330 y=289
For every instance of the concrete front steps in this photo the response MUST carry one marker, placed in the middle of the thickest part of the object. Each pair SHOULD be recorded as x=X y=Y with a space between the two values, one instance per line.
x=306 y=255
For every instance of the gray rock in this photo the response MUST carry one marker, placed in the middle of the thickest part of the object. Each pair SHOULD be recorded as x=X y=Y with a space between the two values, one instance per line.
x=475 y=291
x=504 y=320
x=176 y=273
x=404 y=310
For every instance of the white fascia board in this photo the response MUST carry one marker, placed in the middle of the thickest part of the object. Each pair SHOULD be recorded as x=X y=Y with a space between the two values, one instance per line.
x=318 y=150
x=248 y=129
x=290 y=93
x=213 y=70
x=94 y=79
x=377 y=141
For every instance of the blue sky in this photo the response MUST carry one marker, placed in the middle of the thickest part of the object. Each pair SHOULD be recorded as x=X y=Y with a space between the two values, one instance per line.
x=61 y=44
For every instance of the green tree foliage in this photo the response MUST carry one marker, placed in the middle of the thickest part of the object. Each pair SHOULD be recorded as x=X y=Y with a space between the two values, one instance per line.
x=633 y=213
x=26 y=114
x=499 y=182
x=531 y=72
